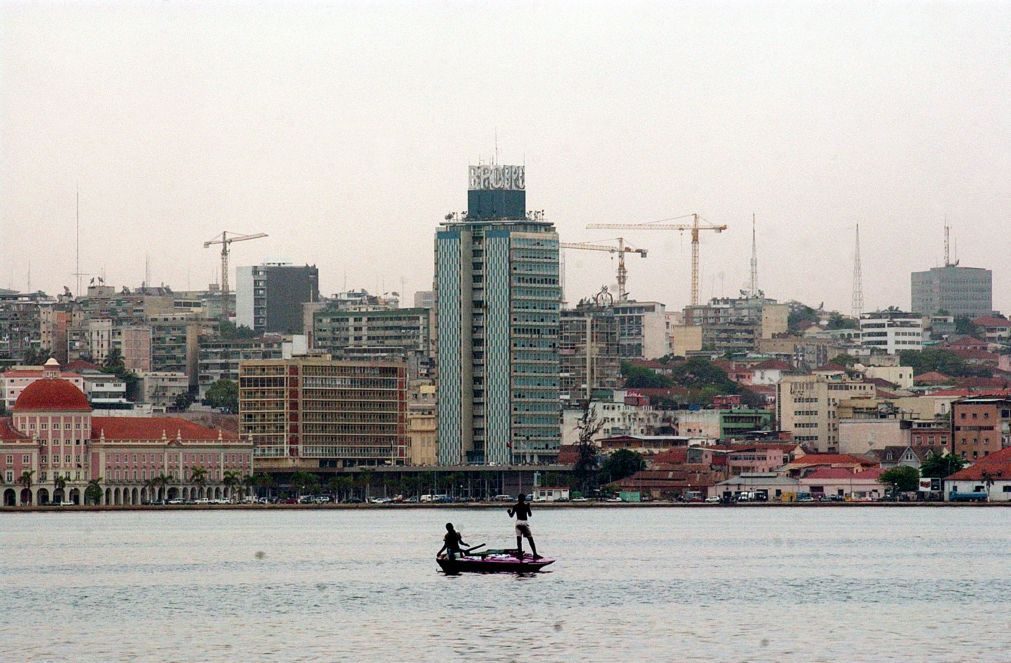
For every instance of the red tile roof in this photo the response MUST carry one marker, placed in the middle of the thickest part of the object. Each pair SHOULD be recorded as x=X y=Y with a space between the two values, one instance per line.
x=773 y=364
x=844 y=473
x=835 y=368
x=932 y=377
x=997 y=464
x=152 y=428
x=990 y=321
x=8 y=432
x=81 y=365
x=52 y=394
x=831 y=459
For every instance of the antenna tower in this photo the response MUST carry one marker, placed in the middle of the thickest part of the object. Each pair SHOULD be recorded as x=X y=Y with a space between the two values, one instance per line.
x=858 y=288
x=947 y=245
x=754 y=259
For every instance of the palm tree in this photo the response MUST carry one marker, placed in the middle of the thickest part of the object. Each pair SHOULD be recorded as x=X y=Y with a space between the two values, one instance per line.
x=59 y=485
x=26 y=481
x=988 y=481
x=93 y=493
x=162 y=480
x=231 y=480
x=198 y=477
x=301 y=480
x=263 y=481
x=365 y=479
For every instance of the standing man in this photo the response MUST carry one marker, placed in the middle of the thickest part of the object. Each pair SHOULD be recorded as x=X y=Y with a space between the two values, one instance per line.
x=522 y=511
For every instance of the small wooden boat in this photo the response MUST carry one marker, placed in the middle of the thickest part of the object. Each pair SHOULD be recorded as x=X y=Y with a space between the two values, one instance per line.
x=493 y=561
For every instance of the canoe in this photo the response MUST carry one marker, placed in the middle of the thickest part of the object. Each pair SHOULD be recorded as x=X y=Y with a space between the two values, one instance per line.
x=493 y=561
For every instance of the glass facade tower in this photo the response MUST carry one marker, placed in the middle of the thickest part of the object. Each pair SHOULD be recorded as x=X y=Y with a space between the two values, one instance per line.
x=497 y=300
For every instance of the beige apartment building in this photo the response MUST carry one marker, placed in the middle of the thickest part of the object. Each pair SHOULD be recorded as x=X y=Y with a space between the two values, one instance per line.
x=421 y=426
x=807 y=407
x=314 y=413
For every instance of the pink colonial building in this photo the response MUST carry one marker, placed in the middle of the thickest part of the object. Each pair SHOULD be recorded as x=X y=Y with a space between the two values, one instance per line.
x=52 y=448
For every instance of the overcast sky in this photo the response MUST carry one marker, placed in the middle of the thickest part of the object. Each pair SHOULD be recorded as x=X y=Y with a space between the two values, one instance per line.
x=344 y=130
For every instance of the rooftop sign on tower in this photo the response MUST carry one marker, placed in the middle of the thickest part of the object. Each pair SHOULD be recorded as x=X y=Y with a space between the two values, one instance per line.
x=496 y=193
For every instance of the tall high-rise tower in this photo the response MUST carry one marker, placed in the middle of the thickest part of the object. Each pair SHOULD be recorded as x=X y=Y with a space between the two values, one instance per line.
x=858 y=281
x=497 y=299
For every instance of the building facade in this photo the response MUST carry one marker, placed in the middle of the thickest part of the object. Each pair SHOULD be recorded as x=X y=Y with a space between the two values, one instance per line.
x=588 y=353
x=316 y=413
x=892 y=332
x=497 y=300
x=376 y=333
x=807 y=407
x=980 y=426
x=961 y=291
x=53 y=436
x=269 y=297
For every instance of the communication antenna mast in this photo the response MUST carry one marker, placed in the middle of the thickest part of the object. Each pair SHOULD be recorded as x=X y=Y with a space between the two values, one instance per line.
x=858 y=288
x=947 y=244
x=754 y=259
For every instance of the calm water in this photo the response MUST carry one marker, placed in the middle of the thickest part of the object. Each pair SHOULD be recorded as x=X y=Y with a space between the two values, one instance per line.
x=744 y=584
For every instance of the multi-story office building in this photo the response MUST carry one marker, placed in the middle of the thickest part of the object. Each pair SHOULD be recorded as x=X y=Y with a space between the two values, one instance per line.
x=980 y=426
x=20 y=325
x=807 y=407
x=892 y=331
x=375 y=333
x=421 y=427
x=588 y=353
x=961 y=291
x=219 y=358
x=313 y=413
x=497 y=300
x=269 y=297
x=642 y=330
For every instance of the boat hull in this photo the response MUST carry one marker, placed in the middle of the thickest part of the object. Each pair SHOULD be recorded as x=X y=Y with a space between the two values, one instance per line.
x=493 y=564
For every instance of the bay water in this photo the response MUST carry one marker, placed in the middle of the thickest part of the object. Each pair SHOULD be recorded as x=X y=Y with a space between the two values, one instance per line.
x=630 y=584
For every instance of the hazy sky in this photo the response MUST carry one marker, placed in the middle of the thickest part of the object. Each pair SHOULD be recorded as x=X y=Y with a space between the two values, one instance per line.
x=344 y=130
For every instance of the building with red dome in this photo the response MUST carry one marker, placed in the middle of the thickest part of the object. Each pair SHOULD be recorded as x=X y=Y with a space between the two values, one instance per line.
x=52 y=449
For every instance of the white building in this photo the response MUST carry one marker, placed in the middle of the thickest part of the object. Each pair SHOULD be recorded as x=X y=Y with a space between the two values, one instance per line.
x=892 y=331
x=617 y=418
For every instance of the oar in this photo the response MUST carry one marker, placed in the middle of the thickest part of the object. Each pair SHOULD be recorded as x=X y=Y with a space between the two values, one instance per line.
x=468 y=550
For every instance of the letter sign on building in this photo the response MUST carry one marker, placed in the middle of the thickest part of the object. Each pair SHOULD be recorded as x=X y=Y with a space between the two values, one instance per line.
x=508 y=178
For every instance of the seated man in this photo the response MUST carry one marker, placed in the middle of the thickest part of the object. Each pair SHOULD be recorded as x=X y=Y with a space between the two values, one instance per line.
x=451 y=543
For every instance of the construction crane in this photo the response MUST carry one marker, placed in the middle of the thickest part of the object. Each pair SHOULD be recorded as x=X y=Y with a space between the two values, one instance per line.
x=695 y=226
x=225 y=241
x=621 y=250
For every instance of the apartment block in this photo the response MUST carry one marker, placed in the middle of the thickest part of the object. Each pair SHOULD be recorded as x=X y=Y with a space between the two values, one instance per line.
x=315 y=413
x=588 y=353
x=892 y=331
x=980 y=426
x=807 y=407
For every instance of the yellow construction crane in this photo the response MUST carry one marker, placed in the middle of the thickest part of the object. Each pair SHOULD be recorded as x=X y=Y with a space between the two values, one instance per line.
x=695 y=226
x=621 y=250
x=225 y=241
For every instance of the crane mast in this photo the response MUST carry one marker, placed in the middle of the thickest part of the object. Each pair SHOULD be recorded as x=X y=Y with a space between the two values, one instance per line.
x=226 y=241
x=621 y=250
x=696 y=226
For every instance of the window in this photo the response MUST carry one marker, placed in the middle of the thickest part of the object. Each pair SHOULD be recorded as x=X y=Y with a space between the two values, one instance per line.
x=26 y=459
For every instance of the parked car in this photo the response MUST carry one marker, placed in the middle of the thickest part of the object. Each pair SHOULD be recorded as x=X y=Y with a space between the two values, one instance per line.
x=503 y=498
x=712 y=500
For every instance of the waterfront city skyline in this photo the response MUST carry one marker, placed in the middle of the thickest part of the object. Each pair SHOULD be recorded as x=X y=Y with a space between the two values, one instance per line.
x=344 y=133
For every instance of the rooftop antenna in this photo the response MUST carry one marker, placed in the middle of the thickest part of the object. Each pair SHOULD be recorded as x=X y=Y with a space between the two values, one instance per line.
x=858 y=288
x=754 y=259
x=29 y=286
x=495 y=163
x=77 y=228
x=147 y=270
x=947 y=243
